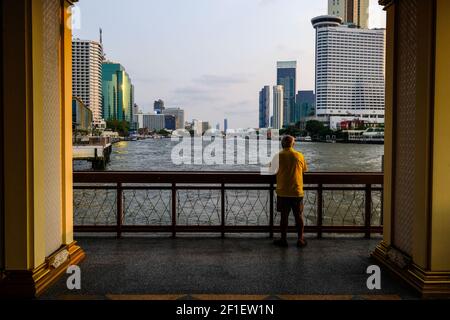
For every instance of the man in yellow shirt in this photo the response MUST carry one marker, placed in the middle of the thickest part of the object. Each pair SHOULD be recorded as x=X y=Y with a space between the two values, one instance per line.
x=290 y=165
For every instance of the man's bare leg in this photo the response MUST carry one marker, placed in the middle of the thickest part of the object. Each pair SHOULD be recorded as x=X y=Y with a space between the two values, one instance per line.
x=300 y=224
x=282 y=242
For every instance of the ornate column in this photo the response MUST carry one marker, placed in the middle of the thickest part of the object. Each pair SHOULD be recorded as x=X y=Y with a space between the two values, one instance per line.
x=417 y=213
x=38 y=241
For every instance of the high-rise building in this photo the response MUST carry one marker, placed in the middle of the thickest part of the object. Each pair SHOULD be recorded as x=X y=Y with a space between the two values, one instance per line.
x=170 y=122
x=225 y=125
x=350 y=69
x=351 y=11
x=197 y=127
x=153 y=122
x=158 y=106
x=87 y=59
x=135 y=109
x=287 y=77
x=138 y=118
x=205 y=126
x=264 y=107
x=81 y=115
x=118 y=93
x=305 y=102
x=178 y=113
x=278 y=111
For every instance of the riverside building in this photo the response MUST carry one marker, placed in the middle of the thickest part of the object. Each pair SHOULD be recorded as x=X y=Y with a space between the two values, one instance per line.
x=87 y=59
x=350 y=72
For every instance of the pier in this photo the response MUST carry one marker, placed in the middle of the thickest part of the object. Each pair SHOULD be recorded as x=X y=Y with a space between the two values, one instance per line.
x=96 y=150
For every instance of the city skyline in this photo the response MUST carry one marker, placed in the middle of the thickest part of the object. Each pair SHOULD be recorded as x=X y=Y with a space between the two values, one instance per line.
x=210 y=77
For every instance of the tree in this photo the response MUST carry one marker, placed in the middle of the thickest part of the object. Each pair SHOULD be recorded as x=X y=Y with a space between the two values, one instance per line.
x=314 y=127
x=163 y=132
x=291 y=131
x=122 y=127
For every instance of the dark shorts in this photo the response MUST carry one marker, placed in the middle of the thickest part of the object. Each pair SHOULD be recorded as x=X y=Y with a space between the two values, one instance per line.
x=288 y=204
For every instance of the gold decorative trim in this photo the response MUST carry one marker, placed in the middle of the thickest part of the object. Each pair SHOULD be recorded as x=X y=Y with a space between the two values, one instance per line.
x=32 y=283
x=429 y=284
x=386 y=3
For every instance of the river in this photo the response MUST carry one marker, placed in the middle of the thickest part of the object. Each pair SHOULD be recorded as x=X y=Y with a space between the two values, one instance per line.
x=155 y=155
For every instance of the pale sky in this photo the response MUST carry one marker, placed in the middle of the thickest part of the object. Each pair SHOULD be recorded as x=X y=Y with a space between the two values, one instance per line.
x=209 y=57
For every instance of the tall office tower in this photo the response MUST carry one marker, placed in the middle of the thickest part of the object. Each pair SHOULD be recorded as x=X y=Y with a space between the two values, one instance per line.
x=158 y=106
x=350 y=69
x=305 y=105
x=87 y=59
x=117 y=98
x=351 y=11
x=178 y=113
x=197 y=127
x=278 y=104
x=264 y=107
x=205 y=126
x=139 y=119
x=287 y=77
x=225 y=125
x=135 y=112
x=170 y=122
x=132 y=102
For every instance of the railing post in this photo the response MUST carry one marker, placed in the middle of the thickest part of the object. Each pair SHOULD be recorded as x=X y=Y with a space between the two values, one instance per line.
x=119 y=209
x=271 y=212
x=174 y=210
x=222 y=208
x=319 y=210
x=368 y=210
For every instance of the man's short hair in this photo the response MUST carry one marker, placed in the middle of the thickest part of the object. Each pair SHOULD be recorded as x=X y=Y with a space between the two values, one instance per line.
x=287 y=142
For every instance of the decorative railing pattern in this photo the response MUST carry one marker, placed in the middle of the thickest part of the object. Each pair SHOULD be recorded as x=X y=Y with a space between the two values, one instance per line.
x=223 y=202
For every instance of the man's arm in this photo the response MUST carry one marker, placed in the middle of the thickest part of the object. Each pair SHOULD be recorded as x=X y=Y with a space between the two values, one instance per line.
x=274 y=165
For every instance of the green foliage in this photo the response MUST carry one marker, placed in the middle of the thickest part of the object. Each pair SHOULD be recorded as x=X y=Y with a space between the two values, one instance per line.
x=314 y=128
x=122 y=127
x=291 y=131
x=163 y=132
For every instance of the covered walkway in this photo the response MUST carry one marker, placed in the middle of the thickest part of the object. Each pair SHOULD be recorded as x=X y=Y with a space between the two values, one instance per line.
x=232 y=268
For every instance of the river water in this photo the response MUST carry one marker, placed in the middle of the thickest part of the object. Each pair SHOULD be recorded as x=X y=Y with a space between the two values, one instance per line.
x=155 y=155
x=202 y=207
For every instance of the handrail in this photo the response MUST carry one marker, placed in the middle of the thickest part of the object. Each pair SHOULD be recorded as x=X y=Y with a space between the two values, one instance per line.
x=218 y=177
x=175 y=181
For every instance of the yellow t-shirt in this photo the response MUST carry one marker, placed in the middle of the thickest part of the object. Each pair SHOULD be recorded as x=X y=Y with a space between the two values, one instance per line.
x=291 y=166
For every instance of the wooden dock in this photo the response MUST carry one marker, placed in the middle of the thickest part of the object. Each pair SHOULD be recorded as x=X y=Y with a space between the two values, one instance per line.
x=97 y=152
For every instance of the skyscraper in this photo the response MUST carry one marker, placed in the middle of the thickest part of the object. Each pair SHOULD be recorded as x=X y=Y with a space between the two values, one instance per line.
x=178 y=114
x=287 y=77
x=225 y=125
x=278 y=98
x=349 y=72
x=158 y=106
x=351 y=11
x=264 y=107
x=305 y=102
x=170 y=122
x=117 y=98
x=87 y=59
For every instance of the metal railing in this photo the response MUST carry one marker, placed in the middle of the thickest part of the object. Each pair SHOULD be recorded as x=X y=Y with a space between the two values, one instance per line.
x=222 y=202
